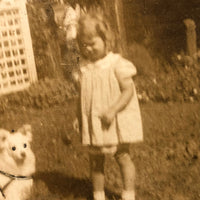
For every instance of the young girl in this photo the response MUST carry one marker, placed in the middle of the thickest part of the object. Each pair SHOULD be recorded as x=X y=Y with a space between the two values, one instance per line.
x=110 y=114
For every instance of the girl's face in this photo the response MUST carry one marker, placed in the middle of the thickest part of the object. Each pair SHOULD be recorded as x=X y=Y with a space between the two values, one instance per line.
x=92 y=46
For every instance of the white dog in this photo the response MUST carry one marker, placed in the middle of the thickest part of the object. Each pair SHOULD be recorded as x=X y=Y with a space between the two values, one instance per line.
x=17 y=164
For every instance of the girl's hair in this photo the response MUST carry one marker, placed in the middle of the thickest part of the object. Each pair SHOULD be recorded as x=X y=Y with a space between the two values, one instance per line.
x=101 y=26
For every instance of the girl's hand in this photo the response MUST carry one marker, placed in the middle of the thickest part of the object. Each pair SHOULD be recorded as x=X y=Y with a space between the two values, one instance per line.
x=107 y=118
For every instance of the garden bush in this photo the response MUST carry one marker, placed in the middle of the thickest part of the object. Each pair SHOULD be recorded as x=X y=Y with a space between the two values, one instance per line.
x=159 y=81
x=42 y=94
x=46 y=40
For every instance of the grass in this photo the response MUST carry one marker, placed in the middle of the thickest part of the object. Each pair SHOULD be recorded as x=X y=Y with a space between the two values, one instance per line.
x=167 y=162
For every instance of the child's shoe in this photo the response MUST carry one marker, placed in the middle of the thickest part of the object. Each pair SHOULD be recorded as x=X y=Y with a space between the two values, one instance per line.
x=99 y=195
x=128 y=195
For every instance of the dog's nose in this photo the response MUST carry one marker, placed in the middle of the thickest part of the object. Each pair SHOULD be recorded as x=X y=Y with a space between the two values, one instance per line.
x=23 y=154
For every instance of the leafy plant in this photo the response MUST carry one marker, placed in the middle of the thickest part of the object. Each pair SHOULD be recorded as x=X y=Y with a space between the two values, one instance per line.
x=43 y=94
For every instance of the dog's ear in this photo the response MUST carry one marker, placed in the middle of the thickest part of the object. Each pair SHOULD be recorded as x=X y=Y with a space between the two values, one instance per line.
x=26 y=130
x=3 y=137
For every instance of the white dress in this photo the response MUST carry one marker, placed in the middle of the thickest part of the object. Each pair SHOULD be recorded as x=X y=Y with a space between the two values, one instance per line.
x=99 y=90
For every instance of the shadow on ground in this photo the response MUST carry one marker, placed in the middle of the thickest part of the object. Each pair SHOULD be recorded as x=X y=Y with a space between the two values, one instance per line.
x=68 y=187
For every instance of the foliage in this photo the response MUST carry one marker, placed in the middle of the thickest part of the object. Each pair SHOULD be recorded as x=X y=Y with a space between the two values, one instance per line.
x=157 y=80
x=45 y=39
x=43 y=94
x=175 y=82
x=158 y=24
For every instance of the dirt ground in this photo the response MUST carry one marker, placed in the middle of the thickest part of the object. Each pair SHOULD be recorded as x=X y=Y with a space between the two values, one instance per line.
x=167 y=162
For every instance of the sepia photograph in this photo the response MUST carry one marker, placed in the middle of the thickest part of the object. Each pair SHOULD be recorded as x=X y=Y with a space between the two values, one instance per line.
x=99 y=100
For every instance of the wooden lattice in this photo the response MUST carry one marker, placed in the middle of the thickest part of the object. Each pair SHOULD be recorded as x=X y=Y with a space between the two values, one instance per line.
x=17 y=65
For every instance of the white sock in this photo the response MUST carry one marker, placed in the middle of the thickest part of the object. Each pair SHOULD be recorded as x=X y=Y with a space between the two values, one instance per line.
x=128 y=195
x=99 y=195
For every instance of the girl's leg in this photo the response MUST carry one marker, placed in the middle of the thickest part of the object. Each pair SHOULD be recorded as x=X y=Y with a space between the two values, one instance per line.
x=97 y=175
x=127 y=169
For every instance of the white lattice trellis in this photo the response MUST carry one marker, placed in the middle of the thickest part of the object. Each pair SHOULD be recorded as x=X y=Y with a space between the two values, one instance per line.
x=17 y=65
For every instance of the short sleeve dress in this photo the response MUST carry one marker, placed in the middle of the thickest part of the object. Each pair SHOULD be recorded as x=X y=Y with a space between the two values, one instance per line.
x=99 y=90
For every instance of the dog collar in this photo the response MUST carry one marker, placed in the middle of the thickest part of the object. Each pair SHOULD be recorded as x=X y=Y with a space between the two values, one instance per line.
x=15 y=177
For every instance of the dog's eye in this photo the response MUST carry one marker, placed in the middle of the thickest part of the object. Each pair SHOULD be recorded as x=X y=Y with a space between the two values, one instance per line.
x=25 y=145
x=13 y=148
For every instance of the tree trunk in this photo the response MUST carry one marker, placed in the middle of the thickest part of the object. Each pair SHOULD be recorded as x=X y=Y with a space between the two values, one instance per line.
x=114 y=11
x=120 y=25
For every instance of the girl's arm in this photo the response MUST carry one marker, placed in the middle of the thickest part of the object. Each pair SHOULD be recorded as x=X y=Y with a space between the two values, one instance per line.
x=126 y=87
